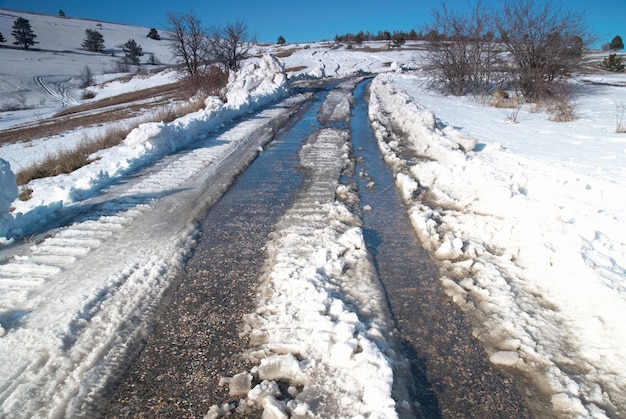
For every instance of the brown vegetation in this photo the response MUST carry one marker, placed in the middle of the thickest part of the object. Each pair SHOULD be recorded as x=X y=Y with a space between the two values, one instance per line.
x=158 y=104
x=98 y=112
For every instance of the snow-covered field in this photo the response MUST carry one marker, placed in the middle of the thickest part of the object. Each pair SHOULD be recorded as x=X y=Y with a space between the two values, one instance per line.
x=529 y=227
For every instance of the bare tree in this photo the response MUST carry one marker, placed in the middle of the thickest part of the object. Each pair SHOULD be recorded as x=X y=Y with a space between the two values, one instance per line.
x=230 y=44
x=545 y=43
x=86 y=77
x=463 y=55
x=189 y=41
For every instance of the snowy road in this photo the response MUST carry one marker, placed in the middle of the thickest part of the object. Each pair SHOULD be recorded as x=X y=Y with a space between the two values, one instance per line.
x=320 y=338
x=101 y=274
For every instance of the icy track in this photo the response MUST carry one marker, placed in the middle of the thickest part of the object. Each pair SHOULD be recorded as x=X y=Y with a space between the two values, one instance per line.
x=73 y=302
x=320 y=336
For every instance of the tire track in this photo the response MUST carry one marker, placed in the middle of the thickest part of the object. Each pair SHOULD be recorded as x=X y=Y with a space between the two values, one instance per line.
x=58 y=90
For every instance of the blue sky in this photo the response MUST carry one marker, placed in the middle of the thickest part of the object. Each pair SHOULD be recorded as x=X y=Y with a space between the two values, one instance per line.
x=302 y=21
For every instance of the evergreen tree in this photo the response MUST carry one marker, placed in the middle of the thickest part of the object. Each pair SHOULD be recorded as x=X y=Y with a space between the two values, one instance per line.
x=2 y=38
x=281 y=40
x=359 y=37
x=617 y=43
x=61 y=13
x=132 y=51
x=94 y=41
x=23 y=33
x=153 y=34
x=613 y=63
x=398 y=39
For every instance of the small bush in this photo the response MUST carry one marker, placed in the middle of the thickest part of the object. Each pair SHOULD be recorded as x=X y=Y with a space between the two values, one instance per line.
x=86 y=77
x=562 y=110
x=25 y=194
x=87 y=94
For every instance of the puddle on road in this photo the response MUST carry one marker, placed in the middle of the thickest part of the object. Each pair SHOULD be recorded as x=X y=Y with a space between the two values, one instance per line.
x=453 y=376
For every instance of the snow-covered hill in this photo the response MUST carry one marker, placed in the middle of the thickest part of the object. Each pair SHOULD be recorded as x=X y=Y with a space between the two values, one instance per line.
x=59 y=54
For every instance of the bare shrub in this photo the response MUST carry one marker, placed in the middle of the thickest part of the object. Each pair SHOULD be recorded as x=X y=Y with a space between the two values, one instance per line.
x=545 y=43
x=87 y=94
x=210 y=82
x=463 y=57
x=512 y=114
x=122 y=66
x=18 y=103
x=86 y=77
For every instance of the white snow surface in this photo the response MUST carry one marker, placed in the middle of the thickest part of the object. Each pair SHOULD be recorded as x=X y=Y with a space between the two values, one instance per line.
x=528 y=226
x=529 y=230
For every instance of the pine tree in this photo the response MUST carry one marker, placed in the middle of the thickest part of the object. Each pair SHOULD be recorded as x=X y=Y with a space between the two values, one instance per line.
x=281 y=40
x=398 y=39
x=617 y=43
x=94 y=41
x=613 y=63
x=153 y=34
x=23 y=33
x=132 y=51
x=61 y=13
x=2 y=38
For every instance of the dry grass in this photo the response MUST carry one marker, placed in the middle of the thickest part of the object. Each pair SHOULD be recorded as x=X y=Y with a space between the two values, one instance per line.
x=98 y=112
x=163 y=103
x=66 y=161
x=294 y=69
x=284 y=54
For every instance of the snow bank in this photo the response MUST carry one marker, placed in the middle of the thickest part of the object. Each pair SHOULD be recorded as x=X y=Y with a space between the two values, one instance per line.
x=255 y=86
x=8 y=193
x=534 y=253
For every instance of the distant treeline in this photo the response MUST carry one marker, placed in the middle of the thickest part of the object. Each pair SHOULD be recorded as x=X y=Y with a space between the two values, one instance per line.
x=432 y=36
x=360 y=37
